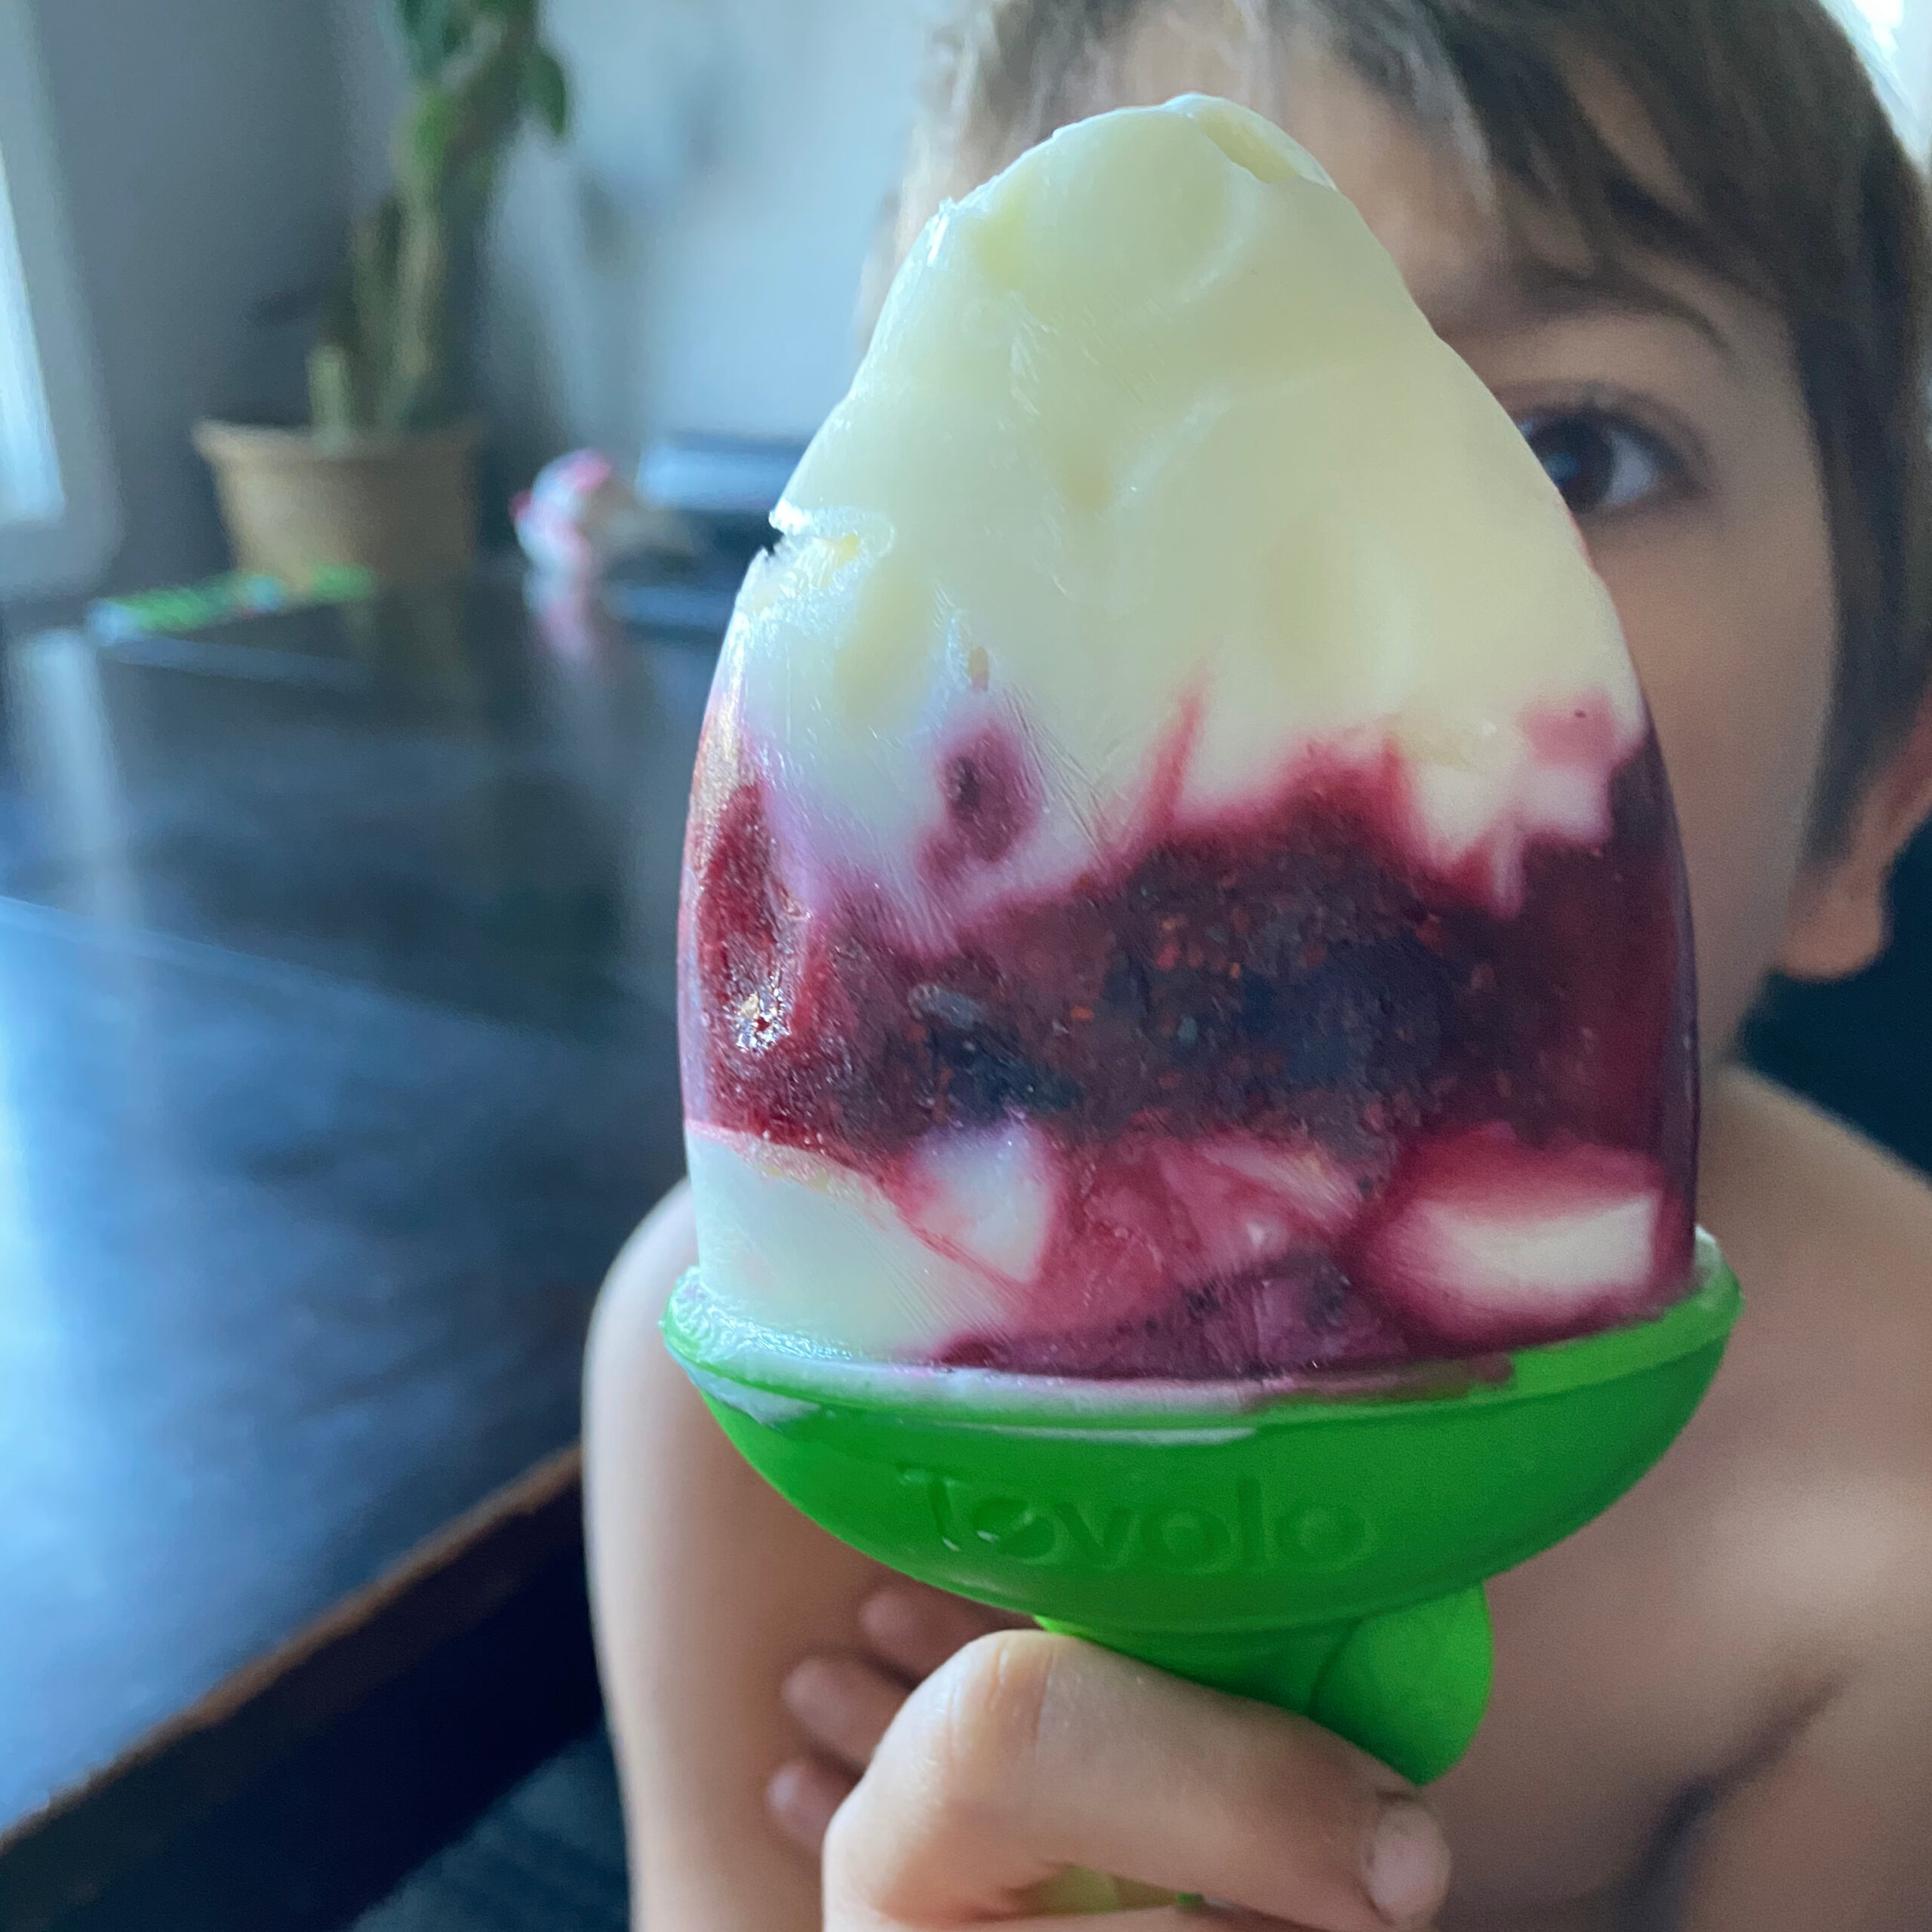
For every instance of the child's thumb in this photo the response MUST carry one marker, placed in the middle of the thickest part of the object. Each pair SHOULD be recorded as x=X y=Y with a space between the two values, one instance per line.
x=1029 y=1756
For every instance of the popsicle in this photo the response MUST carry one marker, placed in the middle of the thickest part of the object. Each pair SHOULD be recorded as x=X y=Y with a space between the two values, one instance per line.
x=1181 y=882
x=1186 y=982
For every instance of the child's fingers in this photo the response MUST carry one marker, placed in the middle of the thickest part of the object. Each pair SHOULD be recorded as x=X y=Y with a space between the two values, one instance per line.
x=915 y=1629
x=845 y=1704
x=801 y=1797
x=1029 y=1754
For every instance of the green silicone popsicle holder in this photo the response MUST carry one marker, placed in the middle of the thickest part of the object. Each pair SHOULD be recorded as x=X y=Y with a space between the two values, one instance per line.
x=1325 y=1555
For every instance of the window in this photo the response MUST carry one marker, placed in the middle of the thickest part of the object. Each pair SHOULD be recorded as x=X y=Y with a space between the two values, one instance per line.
x=59 y=515
x=1896 y=37
x=1883 y=17
x=30 y=473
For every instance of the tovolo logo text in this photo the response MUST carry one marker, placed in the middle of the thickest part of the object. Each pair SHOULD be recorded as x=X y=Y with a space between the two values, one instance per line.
x=1258 y=1534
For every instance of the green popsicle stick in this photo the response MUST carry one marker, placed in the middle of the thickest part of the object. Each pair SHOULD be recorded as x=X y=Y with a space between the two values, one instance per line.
x=1326 y=1556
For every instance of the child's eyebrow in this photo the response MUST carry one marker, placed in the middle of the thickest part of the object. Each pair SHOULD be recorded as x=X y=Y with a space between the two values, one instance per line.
x=1533 y=288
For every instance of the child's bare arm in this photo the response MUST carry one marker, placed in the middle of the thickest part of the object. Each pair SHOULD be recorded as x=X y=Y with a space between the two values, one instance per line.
x=1831 y=1828
x=708 y=1590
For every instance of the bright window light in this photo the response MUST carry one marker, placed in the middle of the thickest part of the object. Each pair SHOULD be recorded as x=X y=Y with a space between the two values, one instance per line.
x=1884 y=18
x=1896 y=38
x=30 y=468
x=59 y=516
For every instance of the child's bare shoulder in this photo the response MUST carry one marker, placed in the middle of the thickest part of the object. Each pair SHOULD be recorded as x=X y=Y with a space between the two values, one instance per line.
x=1818 y=1433
x=1753 y=1622
x=1833 y=1239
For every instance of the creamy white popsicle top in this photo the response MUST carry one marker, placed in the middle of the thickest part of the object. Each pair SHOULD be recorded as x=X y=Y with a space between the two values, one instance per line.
x=1177 y=759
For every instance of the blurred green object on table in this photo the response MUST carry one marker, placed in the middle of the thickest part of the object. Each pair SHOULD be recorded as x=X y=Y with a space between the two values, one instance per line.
x=193 y=606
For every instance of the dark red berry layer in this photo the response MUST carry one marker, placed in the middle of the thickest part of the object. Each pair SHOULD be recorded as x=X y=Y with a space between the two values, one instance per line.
x=1289 y=974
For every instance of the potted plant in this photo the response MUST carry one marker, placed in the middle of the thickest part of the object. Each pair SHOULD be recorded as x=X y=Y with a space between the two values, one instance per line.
x=384 y=477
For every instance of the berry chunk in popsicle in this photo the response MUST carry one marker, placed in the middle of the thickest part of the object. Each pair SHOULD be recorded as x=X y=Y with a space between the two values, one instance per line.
x=1181 y=884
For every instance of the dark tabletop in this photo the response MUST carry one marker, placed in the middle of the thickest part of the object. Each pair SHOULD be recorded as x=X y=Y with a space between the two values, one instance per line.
x=336 y=1061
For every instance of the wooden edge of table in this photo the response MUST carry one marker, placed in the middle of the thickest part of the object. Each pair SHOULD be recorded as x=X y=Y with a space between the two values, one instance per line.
x=498 y=1593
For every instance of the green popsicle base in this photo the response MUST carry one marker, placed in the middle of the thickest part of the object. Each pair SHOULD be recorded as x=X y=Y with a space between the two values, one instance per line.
x=1325 y=1555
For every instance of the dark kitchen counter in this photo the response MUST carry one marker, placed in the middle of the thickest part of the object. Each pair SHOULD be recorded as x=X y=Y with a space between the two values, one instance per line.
x=336 y=1059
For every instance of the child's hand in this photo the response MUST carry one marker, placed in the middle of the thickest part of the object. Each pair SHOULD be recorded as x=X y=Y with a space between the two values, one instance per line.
x=844 y=1703
x=1028 y=1756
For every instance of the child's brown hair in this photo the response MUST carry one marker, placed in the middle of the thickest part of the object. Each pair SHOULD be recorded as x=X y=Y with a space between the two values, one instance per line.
x=1798 y=191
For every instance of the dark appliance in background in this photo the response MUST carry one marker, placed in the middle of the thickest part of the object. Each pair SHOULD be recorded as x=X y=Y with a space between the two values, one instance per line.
x=725 y=488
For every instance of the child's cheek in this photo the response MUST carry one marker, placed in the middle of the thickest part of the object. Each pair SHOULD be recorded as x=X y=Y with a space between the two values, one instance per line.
x=1738 y=675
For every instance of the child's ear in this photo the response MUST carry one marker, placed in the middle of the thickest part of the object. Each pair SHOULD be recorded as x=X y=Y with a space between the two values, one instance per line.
x=1839 y=921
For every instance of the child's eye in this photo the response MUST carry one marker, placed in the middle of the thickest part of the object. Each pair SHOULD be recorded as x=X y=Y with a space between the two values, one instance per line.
x=1602 y=463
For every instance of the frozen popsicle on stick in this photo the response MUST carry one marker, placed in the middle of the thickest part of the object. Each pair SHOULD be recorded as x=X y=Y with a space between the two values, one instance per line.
x=1183 y=920
x=1181 y=881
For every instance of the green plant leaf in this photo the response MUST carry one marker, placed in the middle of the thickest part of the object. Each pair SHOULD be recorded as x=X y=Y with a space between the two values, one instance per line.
x=423 y=161
x=491 y=88
x=546 y=90
x=423 y=24
x=334 y=408
x=459 y=23
x=374 y=242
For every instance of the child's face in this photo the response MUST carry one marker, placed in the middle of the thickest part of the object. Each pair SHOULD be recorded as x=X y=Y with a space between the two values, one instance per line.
x=1676 y=428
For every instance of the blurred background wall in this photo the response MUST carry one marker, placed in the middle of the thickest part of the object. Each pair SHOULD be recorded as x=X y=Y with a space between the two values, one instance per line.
x=691 y=259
